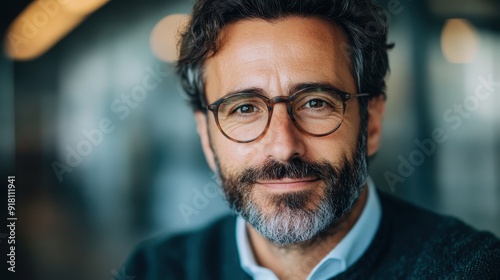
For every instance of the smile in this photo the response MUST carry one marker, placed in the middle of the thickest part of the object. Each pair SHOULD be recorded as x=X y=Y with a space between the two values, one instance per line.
x=288 y=184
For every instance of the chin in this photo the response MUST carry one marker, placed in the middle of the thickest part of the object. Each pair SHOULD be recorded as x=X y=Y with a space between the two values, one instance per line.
x=289 y=218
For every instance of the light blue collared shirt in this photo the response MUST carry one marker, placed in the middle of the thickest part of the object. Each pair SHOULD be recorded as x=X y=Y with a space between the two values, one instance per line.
x=345 y=254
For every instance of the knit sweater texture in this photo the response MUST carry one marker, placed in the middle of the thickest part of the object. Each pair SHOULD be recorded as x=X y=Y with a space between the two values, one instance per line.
x=411 y=243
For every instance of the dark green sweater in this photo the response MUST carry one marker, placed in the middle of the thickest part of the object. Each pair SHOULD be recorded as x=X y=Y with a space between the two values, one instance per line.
x=411 y=243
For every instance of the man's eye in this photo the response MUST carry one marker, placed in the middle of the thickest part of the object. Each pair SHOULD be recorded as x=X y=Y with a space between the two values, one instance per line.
x=246 y=109
x=315 y=103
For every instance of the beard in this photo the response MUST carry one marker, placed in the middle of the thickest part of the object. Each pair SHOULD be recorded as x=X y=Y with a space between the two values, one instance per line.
x=296 y=217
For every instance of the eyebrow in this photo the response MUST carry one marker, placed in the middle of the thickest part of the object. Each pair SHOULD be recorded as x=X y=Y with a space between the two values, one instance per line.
x=303 y=86
x=293 y=89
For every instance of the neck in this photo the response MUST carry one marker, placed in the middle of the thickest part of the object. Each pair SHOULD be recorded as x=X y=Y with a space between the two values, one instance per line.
x=298 y=260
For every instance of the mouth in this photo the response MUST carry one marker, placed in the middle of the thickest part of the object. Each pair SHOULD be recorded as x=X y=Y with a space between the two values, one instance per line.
x=288 y=184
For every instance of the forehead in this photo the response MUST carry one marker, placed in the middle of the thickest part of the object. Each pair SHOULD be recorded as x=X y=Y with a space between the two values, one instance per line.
x=275 y=55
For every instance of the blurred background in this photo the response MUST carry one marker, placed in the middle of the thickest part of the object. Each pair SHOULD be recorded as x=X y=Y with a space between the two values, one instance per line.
x=104 y=148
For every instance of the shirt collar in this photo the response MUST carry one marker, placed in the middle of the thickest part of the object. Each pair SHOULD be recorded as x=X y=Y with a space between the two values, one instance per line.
x=346 y=253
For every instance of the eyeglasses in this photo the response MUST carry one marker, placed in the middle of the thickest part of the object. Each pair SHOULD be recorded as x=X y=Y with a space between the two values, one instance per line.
x=245 y=117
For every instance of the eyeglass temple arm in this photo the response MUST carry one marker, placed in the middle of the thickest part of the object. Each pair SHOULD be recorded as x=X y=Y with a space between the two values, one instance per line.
x=361 y=94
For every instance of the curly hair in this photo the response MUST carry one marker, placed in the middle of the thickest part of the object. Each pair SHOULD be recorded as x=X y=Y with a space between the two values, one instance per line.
x=361 y=20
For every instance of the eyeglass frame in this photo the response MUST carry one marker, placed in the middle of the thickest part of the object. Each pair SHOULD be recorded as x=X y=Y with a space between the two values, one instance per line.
x=288 y=100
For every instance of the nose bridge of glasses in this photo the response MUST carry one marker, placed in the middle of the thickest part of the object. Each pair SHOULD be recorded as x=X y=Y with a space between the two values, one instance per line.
x=280 y=118
x=282 y=99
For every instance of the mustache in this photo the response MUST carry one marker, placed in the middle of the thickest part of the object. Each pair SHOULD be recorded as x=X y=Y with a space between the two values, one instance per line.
x=296 y=168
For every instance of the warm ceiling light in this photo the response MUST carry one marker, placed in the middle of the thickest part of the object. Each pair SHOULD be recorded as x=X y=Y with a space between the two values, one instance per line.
x=165 y=36
x=42 y=24
x=459 y=41
x=83 y=7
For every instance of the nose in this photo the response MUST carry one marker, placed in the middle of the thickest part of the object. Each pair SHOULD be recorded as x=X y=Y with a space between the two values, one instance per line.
x=283 y=141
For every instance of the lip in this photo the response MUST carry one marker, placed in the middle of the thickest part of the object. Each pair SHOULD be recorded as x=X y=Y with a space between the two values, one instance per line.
x=288 y=184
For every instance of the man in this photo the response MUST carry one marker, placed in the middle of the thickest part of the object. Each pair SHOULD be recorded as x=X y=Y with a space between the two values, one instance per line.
x=289 y=98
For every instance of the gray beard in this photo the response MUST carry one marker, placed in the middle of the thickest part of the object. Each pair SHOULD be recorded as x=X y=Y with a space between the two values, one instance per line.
x=291 y=222
x=289 y=226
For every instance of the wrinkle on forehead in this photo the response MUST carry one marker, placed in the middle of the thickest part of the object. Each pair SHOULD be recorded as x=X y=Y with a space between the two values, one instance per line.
x=278 y=54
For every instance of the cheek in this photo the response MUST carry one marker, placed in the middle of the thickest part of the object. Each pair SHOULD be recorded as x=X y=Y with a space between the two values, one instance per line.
x=333 y=148
x=351 y=126
x=340 y=144
x=232 y=156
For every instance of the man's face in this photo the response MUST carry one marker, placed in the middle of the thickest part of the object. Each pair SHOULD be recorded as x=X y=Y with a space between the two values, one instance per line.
x=288 y=185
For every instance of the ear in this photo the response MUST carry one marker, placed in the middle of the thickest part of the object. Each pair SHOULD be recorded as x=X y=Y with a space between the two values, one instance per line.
x=376 y=108
x=202 y=128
